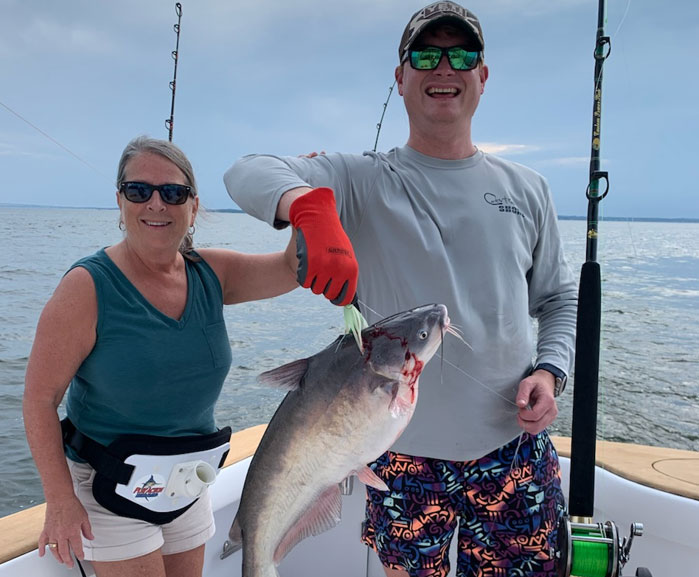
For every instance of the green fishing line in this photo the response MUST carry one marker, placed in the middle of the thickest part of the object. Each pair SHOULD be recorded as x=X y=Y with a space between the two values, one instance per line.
x=589 y=559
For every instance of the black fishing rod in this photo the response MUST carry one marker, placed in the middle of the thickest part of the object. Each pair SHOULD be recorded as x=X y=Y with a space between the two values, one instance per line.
x=585 y=548
x=584 y=431
x=383 y=113
x=170 y=122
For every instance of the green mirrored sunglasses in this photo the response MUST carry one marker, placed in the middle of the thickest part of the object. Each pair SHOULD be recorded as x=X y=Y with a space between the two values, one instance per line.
x=428 y=58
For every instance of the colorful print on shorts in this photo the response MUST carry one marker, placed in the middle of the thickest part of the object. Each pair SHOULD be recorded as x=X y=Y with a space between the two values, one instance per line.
x=503 y=507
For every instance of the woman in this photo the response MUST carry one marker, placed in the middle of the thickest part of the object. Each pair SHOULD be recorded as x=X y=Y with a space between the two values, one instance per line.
x=137 y=330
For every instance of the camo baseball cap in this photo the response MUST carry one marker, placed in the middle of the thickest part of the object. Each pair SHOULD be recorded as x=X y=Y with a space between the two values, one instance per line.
x=436 y=12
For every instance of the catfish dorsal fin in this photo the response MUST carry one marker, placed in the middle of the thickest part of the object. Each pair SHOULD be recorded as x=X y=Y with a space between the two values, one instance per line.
x=287 y=377
x=323 y=515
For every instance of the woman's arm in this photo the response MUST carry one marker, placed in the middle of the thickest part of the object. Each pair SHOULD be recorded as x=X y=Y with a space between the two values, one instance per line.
x=250 y=277
x=65 y=335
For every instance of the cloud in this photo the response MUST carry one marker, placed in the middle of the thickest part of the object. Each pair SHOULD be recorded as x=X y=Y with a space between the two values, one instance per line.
x=8 y=149
x=247 y=22
x=51 y=30
x=567 y=161
x=26 y=149
x=506 y=149
x=65 y=37
x=532 y=7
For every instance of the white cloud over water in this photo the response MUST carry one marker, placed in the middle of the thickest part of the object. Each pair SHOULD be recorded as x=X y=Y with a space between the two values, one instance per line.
x=505 y=149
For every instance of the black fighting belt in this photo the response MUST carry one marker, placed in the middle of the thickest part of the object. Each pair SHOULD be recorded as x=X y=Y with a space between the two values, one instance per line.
x=147 y=477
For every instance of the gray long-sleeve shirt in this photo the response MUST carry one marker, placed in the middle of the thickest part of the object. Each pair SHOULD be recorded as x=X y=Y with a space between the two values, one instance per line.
x=479 y=235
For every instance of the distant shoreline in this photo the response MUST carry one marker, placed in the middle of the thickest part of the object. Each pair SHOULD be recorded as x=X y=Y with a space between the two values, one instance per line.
x=630 y=219
x=237 y=210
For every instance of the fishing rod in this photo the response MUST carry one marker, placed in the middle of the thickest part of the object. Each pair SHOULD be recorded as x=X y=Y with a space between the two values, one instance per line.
x=383 y=113
x=585 y=548
x=170 y=122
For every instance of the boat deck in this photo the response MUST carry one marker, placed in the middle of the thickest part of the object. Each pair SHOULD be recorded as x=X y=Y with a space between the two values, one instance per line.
x=671 y=470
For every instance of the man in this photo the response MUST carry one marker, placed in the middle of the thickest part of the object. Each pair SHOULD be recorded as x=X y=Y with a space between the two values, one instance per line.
x=438 y=220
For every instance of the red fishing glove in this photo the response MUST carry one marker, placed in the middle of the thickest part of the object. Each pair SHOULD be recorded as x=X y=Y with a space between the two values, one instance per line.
x=326 y=259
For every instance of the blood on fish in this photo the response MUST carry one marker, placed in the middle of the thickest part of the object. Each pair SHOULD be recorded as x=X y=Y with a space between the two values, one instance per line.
x=413 y=374
x=382 y=332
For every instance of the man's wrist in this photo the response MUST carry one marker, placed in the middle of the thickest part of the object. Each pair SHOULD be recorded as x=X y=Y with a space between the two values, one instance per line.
x=561 y=379
x=285 y=202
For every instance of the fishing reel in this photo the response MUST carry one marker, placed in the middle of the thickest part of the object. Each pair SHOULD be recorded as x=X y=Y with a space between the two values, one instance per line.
x=594 y=549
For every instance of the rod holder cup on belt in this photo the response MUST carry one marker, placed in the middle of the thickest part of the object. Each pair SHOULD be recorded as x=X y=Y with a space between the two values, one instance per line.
x=190 y=479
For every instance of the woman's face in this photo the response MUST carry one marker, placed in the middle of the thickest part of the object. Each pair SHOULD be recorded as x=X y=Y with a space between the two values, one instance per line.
x=155 y=225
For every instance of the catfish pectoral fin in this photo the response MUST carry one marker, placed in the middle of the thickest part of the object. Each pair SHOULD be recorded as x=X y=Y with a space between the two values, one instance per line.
x=368 y=477
x=235 y=534
x=235 y=540
x=325 y=514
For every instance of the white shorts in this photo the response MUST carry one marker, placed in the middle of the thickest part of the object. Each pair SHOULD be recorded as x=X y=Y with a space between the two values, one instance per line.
x=118 y=538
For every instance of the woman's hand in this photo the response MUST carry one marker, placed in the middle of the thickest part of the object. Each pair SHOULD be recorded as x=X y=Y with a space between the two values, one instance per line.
x=65 y=522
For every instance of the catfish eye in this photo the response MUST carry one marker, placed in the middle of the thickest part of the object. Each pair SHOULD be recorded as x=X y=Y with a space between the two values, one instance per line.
x=422 y=335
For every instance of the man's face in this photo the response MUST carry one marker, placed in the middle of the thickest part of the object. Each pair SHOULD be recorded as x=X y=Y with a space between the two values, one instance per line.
x=434 y=98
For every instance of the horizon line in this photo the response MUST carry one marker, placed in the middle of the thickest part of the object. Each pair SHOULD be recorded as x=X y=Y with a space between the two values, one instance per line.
x=238 y=210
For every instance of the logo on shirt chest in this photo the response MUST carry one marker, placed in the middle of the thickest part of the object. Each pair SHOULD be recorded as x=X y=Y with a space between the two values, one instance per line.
x=503 y=204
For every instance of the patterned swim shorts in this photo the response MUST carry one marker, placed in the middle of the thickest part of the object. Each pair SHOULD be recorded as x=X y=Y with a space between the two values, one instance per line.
x=505 y=507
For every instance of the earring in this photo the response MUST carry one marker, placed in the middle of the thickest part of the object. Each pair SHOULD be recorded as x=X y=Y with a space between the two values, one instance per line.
x=122 y=226
x=191 y=230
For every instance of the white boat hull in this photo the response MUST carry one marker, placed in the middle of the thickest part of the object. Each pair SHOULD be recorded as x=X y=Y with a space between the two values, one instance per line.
x=669 y=546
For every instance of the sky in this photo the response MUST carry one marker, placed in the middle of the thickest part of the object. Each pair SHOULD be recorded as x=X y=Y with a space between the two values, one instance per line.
x=297 y=76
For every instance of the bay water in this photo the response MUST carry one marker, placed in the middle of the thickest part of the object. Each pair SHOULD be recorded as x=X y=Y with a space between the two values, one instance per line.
x=649 y=375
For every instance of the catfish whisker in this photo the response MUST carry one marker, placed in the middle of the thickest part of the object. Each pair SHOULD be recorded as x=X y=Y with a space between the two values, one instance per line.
x=453 y=331
x=441 y=359
x=457 y=328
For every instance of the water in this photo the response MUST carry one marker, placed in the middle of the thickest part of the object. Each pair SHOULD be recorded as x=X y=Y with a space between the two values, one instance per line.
x=649 y=389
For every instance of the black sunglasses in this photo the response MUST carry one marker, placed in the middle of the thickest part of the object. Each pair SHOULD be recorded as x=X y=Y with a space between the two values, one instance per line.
x=429 y=57
x=142 y=191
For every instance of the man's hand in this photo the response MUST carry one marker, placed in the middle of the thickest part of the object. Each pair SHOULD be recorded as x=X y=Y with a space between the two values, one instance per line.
x=537 y=405
x=326 y=258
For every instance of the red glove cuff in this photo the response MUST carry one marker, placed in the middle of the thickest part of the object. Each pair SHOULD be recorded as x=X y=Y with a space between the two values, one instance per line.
x=314 y=204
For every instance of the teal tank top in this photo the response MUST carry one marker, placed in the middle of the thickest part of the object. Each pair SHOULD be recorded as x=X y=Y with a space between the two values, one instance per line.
x=149 y=373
